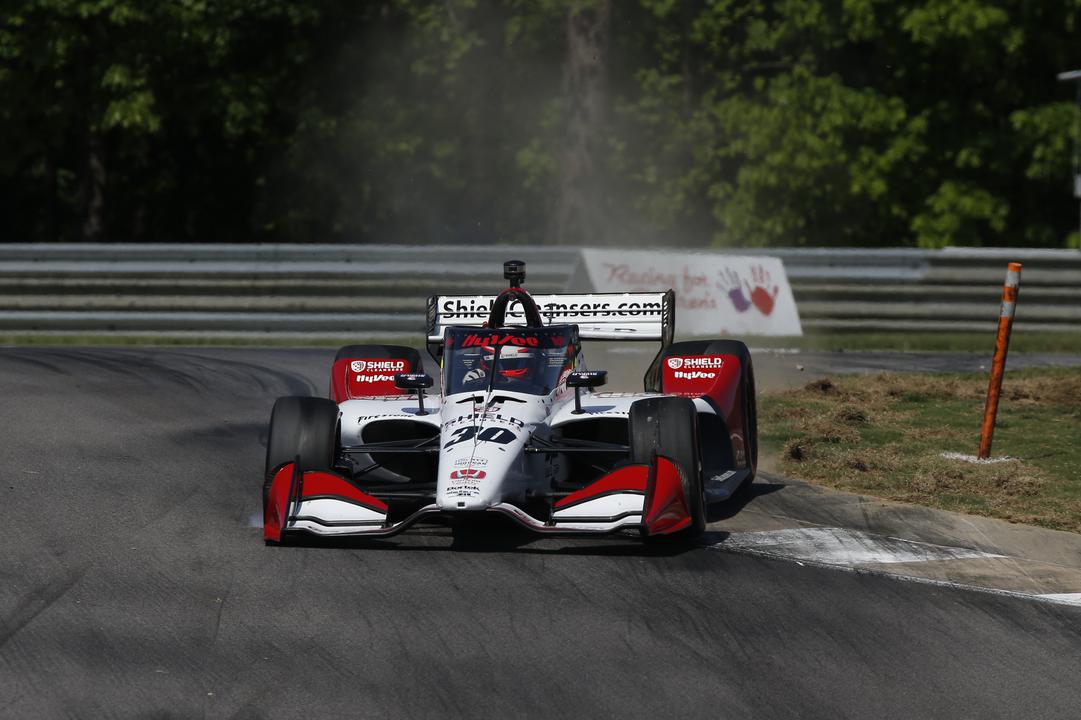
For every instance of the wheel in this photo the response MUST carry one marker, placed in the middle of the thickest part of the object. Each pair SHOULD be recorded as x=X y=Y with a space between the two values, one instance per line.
x=750 y=402
x=750 y=432
x=669 y=426
x=301 y=426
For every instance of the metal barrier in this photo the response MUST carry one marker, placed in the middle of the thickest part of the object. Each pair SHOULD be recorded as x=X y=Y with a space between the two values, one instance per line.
x=362 y=291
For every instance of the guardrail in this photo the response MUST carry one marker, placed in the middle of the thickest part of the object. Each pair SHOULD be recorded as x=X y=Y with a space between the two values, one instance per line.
x=361 y=291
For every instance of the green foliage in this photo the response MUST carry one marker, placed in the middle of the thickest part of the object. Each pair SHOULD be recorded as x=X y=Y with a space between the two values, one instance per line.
x=733 y=122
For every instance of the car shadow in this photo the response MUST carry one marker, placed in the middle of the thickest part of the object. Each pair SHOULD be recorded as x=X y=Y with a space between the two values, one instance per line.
x=498 y=535
x=742 y=497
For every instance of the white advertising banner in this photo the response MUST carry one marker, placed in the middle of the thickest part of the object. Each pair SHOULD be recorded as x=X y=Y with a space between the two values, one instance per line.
x=725 y=295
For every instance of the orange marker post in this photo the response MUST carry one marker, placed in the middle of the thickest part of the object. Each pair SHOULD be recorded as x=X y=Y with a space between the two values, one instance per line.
x=998 y=365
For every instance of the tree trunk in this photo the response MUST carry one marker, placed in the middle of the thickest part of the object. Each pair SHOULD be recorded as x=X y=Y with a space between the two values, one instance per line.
x=580 y=211
x=52 y=202
x=94 y=184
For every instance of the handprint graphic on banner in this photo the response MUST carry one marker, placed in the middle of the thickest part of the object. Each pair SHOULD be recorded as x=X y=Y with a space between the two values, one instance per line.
x=730 y=283
x=762 y=298
x=716 y=294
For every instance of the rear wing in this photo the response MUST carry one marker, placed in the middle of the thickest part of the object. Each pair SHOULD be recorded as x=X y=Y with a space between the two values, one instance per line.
x=599 y=316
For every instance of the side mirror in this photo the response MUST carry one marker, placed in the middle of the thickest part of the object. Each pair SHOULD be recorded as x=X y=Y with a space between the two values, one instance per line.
x=414 y=381
x=585 y=378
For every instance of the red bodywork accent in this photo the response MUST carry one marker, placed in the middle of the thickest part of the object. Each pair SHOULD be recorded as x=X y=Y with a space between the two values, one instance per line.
x=628 y=478
x=314 y=483
x=688 y=376
x=716 y=376
x=360 y=377
x=666 y=509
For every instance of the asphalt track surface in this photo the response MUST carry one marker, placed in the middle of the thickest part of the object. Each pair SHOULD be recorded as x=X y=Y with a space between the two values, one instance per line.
x=134 y=584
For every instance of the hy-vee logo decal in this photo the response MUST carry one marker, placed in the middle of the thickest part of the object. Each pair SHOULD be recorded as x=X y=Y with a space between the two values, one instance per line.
x=695 y=375
x=497 y=339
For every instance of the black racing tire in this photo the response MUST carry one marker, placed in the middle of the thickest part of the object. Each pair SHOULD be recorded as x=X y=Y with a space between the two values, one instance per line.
x=751 y=431
x=750 y=401
x=668 y=426
x=304 y=427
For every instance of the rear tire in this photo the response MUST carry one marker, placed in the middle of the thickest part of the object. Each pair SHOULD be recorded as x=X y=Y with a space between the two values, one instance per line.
x=668 y=426
x=751 y=429
x=304 y=427
x=723 y=346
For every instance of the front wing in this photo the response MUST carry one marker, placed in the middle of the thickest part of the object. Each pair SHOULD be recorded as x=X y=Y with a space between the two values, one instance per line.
x=648 y=497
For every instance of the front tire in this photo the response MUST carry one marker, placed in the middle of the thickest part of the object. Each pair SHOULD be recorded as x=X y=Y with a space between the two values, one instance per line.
x=668 y=426
x=304 y=427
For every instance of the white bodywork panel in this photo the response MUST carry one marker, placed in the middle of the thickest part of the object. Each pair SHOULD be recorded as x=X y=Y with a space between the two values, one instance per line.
x=482 y=462
x=339 y=512
x=616 y=505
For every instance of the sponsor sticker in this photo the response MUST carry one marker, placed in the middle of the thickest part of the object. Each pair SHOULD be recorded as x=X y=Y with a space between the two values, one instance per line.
x=474 y=462
x=694 y=375
x=493 y=339
x=690 y=363
x=378 y=366
x=374 y=378
x=468 y=473
x=560 y=308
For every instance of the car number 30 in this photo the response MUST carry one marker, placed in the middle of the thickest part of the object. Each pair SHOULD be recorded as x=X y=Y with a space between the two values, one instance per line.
x=497 y=435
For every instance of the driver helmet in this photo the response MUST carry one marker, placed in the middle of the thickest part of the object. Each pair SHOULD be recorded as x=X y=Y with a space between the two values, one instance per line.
x=514 y=361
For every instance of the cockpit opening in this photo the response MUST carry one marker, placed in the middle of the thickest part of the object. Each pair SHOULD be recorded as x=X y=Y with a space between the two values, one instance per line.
x=526 y=360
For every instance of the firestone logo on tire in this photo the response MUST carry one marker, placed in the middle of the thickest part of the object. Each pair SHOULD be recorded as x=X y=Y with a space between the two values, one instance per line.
x=695 y=363
x=378 y=366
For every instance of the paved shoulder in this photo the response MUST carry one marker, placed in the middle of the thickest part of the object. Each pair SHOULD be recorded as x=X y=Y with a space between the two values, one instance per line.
x=790 y=519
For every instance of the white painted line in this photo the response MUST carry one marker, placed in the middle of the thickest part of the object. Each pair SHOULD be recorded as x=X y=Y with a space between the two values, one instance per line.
x=773 y=351
x=1065 y=598
x=839 y=546
x=915 y=579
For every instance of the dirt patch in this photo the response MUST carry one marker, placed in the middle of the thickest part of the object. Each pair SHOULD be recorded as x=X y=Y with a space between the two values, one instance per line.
x=885 y=434
x=822 y=386
x=852 y=415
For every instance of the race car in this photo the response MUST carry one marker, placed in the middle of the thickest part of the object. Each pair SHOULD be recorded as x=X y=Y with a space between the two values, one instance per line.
x=519 y=427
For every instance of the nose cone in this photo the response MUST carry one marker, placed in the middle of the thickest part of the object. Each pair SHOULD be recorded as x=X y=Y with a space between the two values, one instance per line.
x=479 y=466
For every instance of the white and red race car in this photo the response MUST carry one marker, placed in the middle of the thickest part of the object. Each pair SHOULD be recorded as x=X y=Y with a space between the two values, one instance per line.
x=519 y=428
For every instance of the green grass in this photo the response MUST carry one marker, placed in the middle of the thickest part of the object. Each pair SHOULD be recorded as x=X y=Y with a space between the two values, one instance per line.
x=884 y=435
